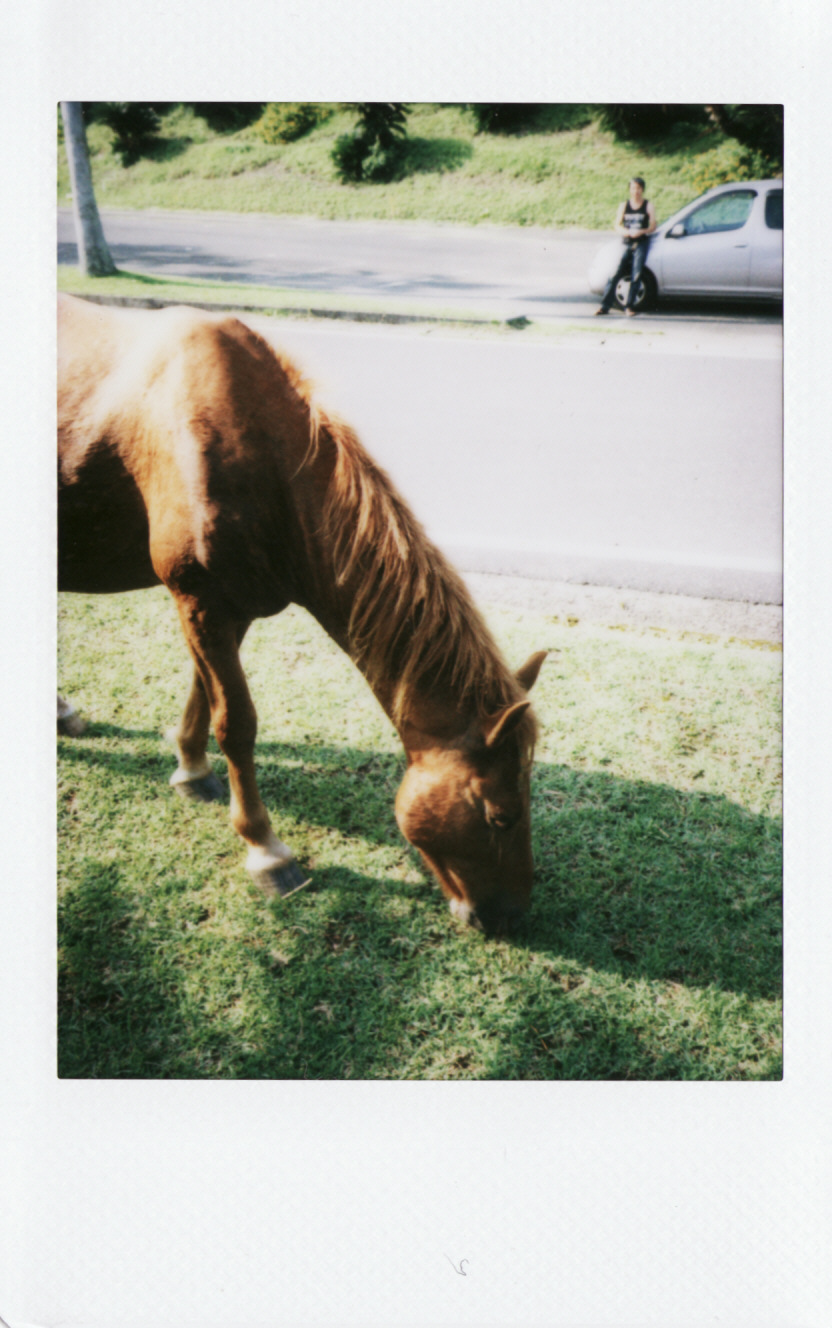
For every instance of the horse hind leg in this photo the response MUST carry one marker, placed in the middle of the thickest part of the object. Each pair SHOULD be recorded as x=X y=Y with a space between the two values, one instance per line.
x=70 y=723
x=193 y=778
x=224 y=696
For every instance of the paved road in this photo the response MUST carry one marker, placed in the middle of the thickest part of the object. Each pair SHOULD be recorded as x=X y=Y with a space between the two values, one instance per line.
x=487 y=271
x=644 y=453
x=615 y=464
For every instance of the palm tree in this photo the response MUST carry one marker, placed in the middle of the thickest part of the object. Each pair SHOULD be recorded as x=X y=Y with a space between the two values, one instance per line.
x=93 y=255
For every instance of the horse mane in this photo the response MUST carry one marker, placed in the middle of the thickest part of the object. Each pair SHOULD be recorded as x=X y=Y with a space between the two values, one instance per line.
x=412 y=625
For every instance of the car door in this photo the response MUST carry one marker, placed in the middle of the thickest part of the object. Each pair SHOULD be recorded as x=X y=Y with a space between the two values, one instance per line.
x=767 y=250
x=713 y=255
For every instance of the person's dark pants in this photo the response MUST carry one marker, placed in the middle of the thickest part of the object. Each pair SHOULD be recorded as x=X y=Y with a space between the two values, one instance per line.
x=632 y=261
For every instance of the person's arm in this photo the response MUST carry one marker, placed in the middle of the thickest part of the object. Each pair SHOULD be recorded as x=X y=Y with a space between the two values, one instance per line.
x=619 y=220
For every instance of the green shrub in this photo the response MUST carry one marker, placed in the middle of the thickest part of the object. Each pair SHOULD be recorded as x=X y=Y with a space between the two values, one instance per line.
x=374 y=151
x=503 y=117
x=135 y=126
x=286 y=121
x=634 y=120
x=757 y=127
x=356 y=160
x=228 y=116
x=728 y=163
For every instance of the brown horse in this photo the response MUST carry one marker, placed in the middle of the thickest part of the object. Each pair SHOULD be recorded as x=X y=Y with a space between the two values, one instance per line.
x=192 y=454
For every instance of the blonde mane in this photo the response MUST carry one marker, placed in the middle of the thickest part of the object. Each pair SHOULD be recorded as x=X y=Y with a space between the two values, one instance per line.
x=412 y=622
x=412 y=626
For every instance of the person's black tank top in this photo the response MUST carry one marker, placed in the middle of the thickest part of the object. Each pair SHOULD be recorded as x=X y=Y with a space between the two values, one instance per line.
x=636 y=218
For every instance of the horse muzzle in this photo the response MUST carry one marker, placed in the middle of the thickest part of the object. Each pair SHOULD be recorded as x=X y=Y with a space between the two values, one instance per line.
x=492 y=918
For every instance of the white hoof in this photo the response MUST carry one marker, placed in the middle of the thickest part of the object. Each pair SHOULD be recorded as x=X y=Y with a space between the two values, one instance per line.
x=268 y=857
x=274 y=869
x=70 y=722
x=461 y=910
x=185 y=775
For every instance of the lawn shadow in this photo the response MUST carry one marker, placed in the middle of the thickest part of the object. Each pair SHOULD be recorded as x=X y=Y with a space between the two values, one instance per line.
x=639 y=879
x=683 y=137
x=421 y=156
x=113 y=1003
x=646 y=881
x=101 y=729
x=164 y=149
x=337 y=788
x=139 y=999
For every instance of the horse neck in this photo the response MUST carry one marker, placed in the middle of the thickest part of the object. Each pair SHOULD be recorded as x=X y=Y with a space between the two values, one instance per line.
x=388 y=597
x=427 y=708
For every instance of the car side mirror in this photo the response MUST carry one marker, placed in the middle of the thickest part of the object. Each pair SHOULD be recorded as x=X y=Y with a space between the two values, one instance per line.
x=676 y=232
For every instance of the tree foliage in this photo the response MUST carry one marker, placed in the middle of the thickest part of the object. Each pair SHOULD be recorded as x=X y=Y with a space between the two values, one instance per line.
x=503 y=117
x=757 y=127
x=135 y=125
x=375 y=148
x=634 y=120
x=285 y=121
x=228 y=117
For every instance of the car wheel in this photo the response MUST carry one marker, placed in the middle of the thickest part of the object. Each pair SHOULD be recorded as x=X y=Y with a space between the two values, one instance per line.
x=645 y=295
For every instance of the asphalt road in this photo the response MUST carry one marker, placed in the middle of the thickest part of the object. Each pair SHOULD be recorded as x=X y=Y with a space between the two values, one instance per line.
x=482 y=271
x=613 y=462
x=644 y=453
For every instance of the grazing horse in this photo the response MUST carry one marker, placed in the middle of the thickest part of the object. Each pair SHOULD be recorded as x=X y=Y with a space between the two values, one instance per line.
x=192 y=454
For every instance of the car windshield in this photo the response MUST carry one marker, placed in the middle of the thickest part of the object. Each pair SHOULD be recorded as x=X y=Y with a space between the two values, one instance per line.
x=674 y=216
x=726 y=212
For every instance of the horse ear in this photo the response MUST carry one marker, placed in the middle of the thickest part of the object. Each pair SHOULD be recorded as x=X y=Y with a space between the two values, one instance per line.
x=527 y=676
x=497 y=727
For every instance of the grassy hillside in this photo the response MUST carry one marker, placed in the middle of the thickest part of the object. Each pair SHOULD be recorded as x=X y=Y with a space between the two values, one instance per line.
x=565 y=172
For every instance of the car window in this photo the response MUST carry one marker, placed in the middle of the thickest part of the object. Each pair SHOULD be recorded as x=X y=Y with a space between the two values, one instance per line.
x=774 y=210
x=727 y=212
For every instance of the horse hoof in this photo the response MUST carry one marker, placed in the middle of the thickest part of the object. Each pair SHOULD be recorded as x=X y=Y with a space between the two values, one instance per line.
x=284 y=881
x=71 y=725
x=206 y=788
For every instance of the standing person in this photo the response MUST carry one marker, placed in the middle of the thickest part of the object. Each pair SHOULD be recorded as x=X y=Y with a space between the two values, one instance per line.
x=635 y=220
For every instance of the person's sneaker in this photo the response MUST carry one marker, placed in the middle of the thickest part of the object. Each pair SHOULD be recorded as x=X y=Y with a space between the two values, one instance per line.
x=601 y=310
x=631 y=313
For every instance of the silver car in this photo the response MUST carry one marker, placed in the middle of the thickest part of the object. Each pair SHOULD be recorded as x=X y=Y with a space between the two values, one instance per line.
x=727 y=244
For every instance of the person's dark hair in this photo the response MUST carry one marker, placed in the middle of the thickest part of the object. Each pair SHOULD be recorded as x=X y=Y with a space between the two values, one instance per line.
x=638 y=180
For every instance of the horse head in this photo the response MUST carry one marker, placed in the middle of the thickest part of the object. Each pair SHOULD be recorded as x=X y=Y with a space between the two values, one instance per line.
x=464 y=803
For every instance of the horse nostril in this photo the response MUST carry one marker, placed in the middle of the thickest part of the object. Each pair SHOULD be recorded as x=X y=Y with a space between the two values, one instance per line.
x=498 y=919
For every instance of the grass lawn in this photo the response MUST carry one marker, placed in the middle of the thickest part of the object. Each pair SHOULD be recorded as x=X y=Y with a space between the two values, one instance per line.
x=269 y=299
x=653 y=946
x=563 y=172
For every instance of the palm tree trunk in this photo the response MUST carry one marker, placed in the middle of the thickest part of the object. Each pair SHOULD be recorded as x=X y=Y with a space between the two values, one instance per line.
x=93 y=254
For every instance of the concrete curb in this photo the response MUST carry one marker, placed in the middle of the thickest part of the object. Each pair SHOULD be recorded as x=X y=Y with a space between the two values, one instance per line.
x=141 y=302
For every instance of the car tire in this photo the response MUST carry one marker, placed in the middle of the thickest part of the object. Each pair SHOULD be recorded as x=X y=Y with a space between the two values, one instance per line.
x=646 y=295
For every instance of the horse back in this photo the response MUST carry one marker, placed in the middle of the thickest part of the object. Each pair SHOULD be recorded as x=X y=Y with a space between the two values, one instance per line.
x=178 y=434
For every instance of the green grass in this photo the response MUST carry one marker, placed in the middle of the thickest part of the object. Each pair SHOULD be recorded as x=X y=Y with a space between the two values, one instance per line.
x=269 y=299
x=564 y=172
x=652 y=949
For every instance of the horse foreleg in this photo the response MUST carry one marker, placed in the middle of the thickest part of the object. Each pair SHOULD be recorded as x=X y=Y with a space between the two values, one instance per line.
x=193 y=777
x=70 y=722
x=214 y=644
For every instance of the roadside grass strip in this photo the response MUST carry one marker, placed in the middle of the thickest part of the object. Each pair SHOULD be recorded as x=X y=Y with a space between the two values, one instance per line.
x=653 y=946
x=139 y=290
